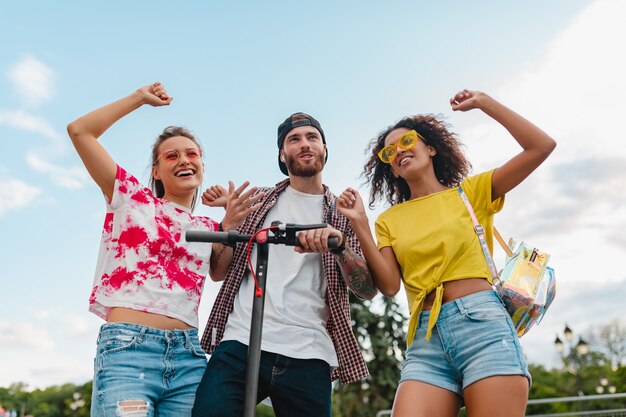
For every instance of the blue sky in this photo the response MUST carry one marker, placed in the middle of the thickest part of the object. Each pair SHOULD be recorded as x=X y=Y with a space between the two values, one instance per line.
x=237 y=69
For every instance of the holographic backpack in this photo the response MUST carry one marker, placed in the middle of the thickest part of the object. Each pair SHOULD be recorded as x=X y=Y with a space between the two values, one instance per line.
x=526 y=284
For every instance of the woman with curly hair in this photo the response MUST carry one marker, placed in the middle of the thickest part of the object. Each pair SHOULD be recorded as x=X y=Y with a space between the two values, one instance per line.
x=462 y=345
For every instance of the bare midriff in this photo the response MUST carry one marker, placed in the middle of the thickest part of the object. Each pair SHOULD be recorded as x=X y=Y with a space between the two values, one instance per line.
x=157 y=321
x=457 y=289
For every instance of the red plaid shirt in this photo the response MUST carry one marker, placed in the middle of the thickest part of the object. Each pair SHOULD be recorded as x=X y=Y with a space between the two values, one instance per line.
x=351 y=364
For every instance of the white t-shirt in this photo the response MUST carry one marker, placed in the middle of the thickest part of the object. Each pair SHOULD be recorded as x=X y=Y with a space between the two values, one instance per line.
x=144 y=262
x=295 y=314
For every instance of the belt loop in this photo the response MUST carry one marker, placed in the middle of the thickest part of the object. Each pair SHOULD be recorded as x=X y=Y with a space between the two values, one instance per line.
x=142 y=333
x=187 y=339
x=460 y=306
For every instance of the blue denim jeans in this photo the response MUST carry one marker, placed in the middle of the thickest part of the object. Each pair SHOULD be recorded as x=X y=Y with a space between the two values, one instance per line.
x=142 y=371
x=474 y=338
x=297 y=387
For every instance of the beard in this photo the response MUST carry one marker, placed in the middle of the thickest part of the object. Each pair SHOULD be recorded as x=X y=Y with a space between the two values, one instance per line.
x=299 y=170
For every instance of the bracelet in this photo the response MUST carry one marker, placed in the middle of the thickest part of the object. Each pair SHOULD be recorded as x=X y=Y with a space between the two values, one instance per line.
x=221 y=229
x=340 y=248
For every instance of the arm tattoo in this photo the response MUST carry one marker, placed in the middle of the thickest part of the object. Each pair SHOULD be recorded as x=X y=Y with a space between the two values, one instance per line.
x=356 y=274
x=215 y=256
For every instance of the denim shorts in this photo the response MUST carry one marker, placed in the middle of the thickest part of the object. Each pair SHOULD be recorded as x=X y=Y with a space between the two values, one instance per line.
x=474 y=338
x=142 y=371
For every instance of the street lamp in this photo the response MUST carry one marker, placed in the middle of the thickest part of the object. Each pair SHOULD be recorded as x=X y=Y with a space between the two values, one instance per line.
x=603 y=385
x=558 y=343
x=573 y=354
x=582 y=347
x=604 y=381
x=77 y=403
x=568 y=333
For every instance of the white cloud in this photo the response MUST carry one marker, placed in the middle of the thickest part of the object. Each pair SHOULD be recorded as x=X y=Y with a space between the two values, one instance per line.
x=573 y=206
x=54 y=363
x=24 y=335
x=33 y=83
x=41 y=314
x=15 y=194
x=78 y=326
x=574 y=91
x=32 y=80
x=72 y=177
x=20 y=119
x=44 y=370
x=585 y=312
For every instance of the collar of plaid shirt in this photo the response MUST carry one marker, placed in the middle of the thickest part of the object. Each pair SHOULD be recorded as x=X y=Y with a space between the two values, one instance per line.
x=351 y=364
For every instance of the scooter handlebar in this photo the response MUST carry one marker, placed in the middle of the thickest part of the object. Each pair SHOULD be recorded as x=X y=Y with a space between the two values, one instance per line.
x=231 y=237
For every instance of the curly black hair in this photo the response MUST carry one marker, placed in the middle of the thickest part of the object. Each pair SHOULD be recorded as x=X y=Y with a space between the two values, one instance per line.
x=450 y=164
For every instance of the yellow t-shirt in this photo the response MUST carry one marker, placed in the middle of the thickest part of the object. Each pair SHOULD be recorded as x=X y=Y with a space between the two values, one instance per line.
x=434 y=241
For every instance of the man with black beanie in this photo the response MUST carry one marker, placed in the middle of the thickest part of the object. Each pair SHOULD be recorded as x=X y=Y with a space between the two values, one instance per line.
x=307 y=334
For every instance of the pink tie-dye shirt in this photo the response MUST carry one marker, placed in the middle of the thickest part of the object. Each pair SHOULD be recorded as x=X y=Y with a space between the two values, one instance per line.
x=144 y=261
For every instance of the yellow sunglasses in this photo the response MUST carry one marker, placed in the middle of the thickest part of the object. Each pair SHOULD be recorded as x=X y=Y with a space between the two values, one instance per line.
x=407 y=141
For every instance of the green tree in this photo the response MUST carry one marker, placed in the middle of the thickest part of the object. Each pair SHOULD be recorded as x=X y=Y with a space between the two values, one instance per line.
x=263 y=410
x=15 y=397
x=53 y=401
x=379 y=328
x=612 y=342
x=582 y=373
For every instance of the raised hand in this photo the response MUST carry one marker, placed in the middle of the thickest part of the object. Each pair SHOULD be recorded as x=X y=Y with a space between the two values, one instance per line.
x=467 y=100
x=239 y=204
x=350 y=204
x=215 y=196
x=155 y=95
x=86 y=129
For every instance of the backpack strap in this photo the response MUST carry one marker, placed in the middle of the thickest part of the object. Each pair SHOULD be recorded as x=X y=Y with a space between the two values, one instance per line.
x=480 y=232
x=505 y=247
